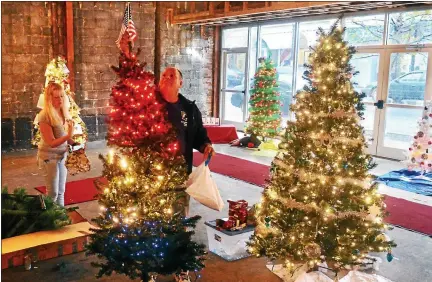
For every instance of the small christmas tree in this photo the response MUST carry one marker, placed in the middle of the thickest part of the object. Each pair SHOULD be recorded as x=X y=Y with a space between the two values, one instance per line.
x=319 y=200
x=420 y=152
x=23 y=214
x=141 y=228
x=58 y=72
x=265 y=102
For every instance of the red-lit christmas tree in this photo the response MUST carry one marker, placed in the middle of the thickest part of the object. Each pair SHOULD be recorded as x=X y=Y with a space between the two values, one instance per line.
x=141 y=228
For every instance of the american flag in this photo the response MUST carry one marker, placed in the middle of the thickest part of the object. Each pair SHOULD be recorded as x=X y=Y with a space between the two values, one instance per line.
x=127 y=26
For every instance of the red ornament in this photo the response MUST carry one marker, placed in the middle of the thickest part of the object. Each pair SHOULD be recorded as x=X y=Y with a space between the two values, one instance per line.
x=422 y=163
x=410 y=149
x=430 y=142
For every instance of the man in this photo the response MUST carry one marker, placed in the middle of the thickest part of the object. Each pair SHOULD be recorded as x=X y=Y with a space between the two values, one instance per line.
x=185 y=117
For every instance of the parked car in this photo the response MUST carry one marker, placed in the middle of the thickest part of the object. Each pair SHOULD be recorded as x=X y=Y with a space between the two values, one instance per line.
x=234 y=78
x=285 y=90
x=406 y=89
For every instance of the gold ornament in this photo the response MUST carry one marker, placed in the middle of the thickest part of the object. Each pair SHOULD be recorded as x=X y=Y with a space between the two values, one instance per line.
x=312 y=250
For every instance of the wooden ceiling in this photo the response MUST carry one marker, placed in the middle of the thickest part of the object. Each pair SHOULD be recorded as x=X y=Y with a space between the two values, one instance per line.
x=223 y=13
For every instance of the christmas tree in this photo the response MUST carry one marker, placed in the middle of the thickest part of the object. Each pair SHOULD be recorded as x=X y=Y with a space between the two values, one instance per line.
x=420 y=152
x=265 y=102
x=23 y=214
x=141 y=227
x=58 y=72
x=319 y=200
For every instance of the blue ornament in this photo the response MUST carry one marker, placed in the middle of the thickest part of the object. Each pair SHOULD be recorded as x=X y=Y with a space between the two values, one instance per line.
x=345 y=165
x=389 y=256
x=356 y=252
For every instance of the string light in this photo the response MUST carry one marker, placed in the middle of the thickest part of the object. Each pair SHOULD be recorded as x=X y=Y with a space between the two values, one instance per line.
x=123 y=163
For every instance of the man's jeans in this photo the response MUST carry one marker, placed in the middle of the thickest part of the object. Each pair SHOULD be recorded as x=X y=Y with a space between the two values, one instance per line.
x=55 y=173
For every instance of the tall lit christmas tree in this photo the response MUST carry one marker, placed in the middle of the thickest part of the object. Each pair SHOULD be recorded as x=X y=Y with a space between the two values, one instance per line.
x=141 y=227
x=265 y=102
x=320 y=200
x=420 y=151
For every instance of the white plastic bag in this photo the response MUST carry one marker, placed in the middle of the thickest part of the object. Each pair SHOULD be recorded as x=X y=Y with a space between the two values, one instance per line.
x=202 y=188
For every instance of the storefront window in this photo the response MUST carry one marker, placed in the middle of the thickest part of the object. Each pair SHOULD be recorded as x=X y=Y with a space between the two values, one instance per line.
x=235 y=37
x=410 y=27
x=365 y=30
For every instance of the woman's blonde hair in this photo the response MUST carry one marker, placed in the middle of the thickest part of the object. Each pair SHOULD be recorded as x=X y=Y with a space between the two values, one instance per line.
x=51 y=113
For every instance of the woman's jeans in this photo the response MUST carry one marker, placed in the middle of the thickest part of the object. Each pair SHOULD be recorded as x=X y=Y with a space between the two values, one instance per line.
x=55 y=178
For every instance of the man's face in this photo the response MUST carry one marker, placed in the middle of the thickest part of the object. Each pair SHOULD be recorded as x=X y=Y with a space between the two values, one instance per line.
x=170 y=83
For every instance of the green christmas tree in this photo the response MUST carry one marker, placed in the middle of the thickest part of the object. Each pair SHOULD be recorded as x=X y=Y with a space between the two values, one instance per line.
x=23 y=214
x=265 y=102
x=141 y=228
x=320 y=200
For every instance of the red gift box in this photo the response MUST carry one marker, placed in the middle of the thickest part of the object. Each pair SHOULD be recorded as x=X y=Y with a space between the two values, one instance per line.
x=238 y=211
x=229 y=224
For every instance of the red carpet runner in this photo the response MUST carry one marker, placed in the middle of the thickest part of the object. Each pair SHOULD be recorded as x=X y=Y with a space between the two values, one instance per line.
x=402 y=212
x=78 y=191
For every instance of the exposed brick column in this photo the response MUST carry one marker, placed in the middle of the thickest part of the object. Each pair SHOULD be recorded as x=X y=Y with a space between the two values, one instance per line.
x=58 y=28
x=70 y=50
x=216 y=71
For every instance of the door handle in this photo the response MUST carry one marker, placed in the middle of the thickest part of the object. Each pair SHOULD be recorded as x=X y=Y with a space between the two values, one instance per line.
x=379 y=104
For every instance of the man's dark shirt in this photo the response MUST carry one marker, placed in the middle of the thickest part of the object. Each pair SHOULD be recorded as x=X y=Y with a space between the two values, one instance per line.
x=185 y=116
x=177 y=117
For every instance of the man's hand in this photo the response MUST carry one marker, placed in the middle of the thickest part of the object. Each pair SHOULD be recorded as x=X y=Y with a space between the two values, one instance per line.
x=208 y=151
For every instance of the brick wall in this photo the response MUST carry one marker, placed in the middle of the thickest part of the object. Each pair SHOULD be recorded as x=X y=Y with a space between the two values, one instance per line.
x=26 y=49
x=191 y=51
x=96 y=28
x=30 y=44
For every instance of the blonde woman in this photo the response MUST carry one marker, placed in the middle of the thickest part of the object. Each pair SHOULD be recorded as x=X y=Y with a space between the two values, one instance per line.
x=56 y=131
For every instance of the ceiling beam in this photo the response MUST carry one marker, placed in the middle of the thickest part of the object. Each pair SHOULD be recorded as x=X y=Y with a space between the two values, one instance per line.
x=284 y=10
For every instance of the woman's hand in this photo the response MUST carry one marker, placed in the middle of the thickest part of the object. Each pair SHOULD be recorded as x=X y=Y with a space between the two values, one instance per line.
x=70 y=127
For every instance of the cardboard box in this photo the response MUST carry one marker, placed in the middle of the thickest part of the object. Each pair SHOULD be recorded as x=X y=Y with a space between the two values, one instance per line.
x=44 y=245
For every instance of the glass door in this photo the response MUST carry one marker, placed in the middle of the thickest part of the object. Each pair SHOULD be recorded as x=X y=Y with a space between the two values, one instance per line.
x=406 y=85
x=367 y=63
x=234 y=85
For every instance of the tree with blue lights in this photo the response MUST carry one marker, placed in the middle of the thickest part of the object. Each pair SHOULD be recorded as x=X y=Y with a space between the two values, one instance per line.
x=141 y=230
